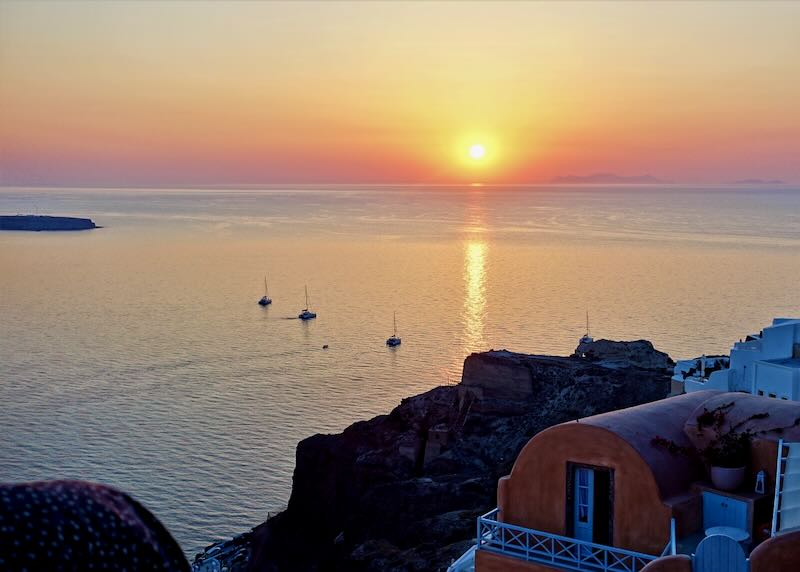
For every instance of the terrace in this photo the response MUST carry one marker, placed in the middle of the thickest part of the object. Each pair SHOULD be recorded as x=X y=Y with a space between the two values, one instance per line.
x=560 y=552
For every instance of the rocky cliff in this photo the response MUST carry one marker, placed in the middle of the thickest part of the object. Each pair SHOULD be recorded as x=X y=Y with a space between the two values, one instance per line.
x=402 y=491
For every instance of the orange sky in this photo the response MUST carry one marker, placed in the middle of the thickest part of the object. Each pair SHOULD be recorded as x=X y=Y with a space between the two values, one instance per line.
x=157 y=93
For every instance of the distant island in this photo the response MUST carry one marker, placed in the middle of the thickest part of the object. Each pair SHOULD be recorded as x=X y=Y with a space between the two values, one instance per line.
x=608 y=178
x=759 y=182
x=38 y=223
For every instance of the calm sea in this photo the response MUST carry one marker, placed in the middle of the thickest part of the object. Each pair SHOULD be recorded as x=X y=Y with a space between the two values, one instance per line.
x=136 y=355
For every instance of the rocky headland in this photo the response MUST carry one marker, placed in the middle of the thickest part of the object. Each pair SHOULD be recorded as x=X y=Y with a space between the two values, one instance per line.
x=39 y=223
x=401 y=491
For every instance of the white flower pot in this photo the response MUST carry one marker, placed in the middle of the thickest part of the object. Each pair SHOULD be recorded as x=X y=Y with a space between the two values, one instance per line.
x=727 y=479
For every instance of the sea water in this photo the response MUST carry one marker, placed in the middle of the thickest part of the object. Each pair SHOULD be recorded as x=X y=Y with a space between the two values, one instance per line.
x=136 y=354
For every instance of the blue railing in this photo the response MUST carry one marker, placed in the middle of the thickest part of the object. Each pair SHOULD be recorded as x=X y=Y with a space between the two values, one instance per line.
x=671 y=549
x=557 y=551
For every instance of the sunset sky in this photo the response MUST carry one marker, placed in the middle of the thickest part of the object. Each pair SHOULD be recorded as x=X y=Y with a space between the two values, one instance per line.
x=205 y=93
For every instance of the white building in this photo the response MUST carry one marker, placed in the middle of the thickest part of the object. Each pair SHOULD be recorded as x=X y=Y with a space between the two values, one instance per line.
x=767 y=363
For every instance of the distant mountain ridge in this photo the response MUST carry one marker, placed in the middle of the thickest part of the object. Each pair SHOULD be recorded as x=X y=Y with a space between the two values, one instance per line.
x=608 y=178
x=759 y=182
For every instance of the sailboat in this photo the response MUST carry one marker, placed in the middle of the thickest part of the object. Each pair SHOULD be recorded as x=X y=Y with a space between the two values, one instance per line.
x=393 y=341
x=265 y=299
x=586 y=338
x=306 y=314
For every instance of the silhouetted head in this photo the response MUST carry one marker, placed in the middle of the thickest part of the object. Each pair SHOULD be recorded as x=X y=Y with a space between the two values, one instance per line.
x=73 y=525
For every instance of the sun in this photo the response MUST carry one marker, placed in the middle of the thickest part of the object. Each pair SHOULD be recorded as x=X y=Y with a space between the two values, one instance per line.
x=477 y=151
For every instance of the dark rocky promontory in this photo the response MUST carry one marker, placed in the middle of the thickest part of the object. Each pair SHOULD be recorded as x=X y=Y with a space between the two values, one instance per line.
x=37 y=223
x=401 y=492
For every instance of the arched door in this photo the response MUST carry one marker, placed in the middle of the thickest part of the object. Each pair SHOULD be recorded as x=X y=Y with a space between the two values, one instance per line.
x=718 y=553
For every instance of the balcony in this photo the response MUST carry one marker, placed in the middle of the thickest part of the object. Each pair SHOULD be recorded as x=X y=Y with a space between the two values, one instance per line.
x=560 y=552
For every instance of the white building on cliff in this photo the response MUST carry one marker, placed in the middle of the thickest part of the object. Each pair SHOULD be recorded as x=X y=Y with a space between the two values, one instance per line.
x=767 y=363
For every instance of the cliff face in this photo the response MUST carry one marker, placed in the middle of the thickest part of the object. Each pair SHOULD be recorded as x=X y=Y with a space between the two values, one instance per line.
x=402 y=491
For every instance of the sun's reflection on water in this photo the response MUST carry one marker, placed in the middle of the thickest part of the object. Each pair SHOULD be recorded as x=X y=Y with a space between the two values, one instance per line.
x=475 y=256
x=475 y=295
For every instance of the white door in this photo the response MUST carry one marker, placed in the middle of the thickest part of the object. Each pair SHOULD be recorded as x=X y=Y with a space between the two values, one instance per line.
x=717 y=553
x=583 y=516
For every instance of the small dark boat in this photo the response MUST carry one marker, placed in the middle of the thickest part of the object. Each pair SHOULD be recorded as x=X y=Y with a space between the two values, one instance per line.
x=306 y=314
x=394 y=341
x=265 y=299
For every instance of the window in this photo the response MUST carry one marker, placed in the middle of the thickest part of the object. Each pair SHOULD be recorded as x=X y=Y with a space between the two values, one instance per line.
x=772 y=395
x=582 y=502
x=761 y=392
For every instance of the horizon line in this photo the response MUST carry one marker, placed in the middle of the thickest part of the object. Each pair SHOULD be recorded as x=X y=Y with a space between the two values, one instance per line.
x=475 y=184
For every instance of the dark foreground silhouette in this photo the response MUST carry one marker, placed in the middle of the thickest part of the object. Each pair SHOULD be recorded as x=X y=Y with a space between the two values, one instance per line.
x=73 y=525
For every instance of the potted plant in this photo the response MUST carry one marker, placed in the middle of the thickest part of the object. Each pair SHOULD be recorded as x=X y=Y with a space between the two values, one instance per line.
x=726 y=454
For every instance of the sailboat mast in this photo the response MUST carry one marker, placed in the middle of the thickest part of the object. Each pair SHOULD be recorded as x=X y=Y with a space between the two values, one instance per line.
x=395 y=323
x=306 y=296
x=266 y=288
x=587 y=322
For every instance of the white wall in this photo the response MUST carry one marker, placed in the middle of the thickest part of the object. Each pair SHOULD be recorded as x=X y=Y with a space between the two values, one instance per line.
x=777 y=380
x=746 y=372
x=778 y=340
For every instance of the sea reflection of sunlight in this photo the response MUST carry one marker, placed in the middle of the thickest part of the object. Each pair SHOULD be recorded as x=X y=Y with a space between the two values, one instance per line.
x=475 y=294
